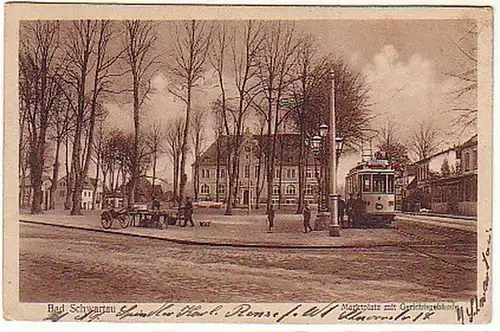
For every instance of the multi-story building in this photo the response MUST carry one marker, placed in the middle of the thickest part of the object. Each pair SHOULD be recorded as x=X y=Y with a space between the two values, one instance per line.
x=252 y=183
x=449 y=180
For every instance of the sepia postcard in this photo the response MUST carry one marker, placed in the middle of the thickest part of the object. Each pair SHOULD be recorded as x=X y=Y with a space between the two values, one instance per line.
x=248 y=164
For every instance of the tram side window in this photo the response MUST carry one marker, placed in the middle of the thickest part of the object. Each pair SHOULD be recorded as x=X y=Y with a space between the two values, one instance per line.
x=366 y=183
x=390 y=183
x=379 y=183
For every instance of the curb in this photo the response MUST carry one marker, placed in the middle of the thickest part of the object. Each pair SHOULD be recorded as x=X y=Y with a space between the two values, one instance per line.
x=224 y=244
x=466 y=226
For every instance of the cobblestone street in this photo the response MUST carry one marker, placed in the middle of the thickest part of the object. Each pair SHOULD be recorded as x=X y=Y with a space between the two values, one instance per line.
x=70 y=265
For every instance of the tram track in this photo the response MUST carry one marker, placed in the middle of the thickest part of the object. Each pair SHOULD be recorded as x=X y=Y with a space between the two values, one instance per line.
x=429 y=243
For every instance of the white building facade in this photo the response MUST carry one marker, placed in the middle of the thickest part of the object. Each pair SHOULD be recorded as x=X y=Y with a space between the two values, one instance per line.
x=252 y=182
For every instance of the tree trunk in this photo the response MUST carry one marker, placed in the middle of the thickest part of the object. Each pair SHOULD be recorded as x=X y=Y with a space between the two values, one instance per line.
x=196 y=180
x=76 y=167
x=302 y=161
x=94 y=192
x=230 y=171
x=154 y=172
x=36 y=170
x=135 y=157
x=104 y=191
x=280 y=197
x=217 y=169
x=184 y=147
x=55 y=176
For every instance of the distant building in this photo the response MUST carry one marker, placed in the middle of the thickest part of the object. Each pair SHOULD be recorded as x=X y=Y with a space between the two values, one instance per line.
x=26 y=192
x=61 y=192
x=252 y=177
x=449 y=180
x=87 y=194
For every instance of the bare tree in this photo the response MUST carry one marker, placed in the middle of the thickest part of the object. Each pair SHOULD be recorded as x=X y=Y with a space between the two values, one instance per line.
x=243 y=46
x=139 y=41
x=173 y=137
x=61 y=121
x=310 y=70
x=220 y=107
x=39 y=90
x=391 y=148
x=88 y=69
x=198 y=137
x=424 y=140
x=155 y=141
x=191 y=46
x=464 y=104
x=276 y=59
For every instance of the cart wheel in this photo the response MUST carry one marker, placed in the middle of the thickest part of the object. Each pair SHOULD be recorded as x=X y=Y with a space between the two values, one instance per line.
x=106 y=220
x=124 y=220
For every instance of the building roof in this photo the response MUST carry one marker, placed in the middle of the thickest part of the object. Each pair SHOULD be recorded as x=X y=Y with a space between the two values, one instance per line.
x=88 y=183
x=421 y=161
x=287 y=148
x=470 y=142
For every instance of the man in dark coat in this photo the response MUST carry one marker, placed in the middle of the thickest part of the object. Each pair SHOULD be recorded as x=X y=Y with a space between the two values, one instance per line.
x=307 y=218
x=350 y=210
x=358 y=210
x=188 y=212
x=341 y=211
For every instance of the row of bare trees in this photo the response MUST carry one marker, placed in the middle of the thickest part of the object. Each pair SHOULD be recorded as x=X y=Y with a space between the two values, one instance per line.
x=267 y=72
x=66 y=71
x=271 y=72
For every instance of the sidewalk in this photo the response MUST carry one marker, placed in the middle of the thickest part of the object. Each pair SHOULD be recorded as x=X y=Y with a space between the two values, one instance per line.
x=237 y=231
x=466 y=224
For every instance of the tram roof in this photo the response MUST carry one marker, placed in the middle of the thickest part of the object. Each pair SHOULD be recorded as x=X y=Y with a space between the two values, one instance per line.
x=375 y=166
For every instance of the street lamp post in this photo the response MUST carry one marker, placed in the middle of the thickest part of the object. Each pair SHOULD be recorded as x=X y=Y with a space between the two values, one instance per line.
x=333 y=227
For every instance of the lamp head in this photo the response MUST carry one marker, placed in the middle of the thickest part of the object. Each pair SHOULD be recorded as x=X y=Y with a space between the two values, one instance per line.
x=323 y=130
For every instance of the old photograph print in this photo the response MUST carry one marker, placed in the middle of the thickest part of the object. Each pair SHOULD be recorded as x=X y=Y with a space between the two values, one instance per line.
x=320 y=166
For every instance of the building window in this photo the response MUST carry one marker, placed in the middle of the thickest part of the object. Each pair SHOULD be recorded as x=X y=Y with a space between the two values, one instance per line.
x=466 y=161
x=309 y=189
x=222 y=172
x=247 y=171
x=63 y=183
x=205 y=189
x=290 y=173
x=222 y=189
x=309 y=173
x=276 y=190
x=277 y=173
x=62 y=193
x=256 y=171
x=290 y=189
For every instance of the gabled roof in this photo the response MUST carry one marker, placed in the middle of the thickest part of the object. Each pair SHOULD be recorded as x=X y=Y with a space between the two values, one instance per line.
x=87 y=183
x=287 y=148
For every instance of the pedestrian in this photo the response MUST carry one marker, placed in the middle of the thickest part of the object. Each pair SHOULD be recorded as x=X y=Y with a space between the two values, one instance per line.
x=358 y=210
x=307 y=218
x=341 y=211
x=350 y=210
x=270 y=218
x=188 y=213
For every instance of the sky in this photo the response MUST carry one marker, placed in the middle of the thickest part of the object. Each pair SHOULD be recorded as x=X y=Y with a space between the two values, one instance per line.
x=405 y=63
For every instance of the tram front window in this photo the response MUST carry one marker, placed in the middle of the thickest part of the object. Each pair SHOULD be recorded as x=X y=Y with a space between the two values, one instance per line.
x=366 y=183
x=379 y=182
x=390 y=184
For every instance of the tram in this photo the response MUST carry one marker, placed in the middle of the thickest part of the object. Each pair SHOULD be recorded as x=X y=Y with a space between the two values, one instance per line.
x=373 y=180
